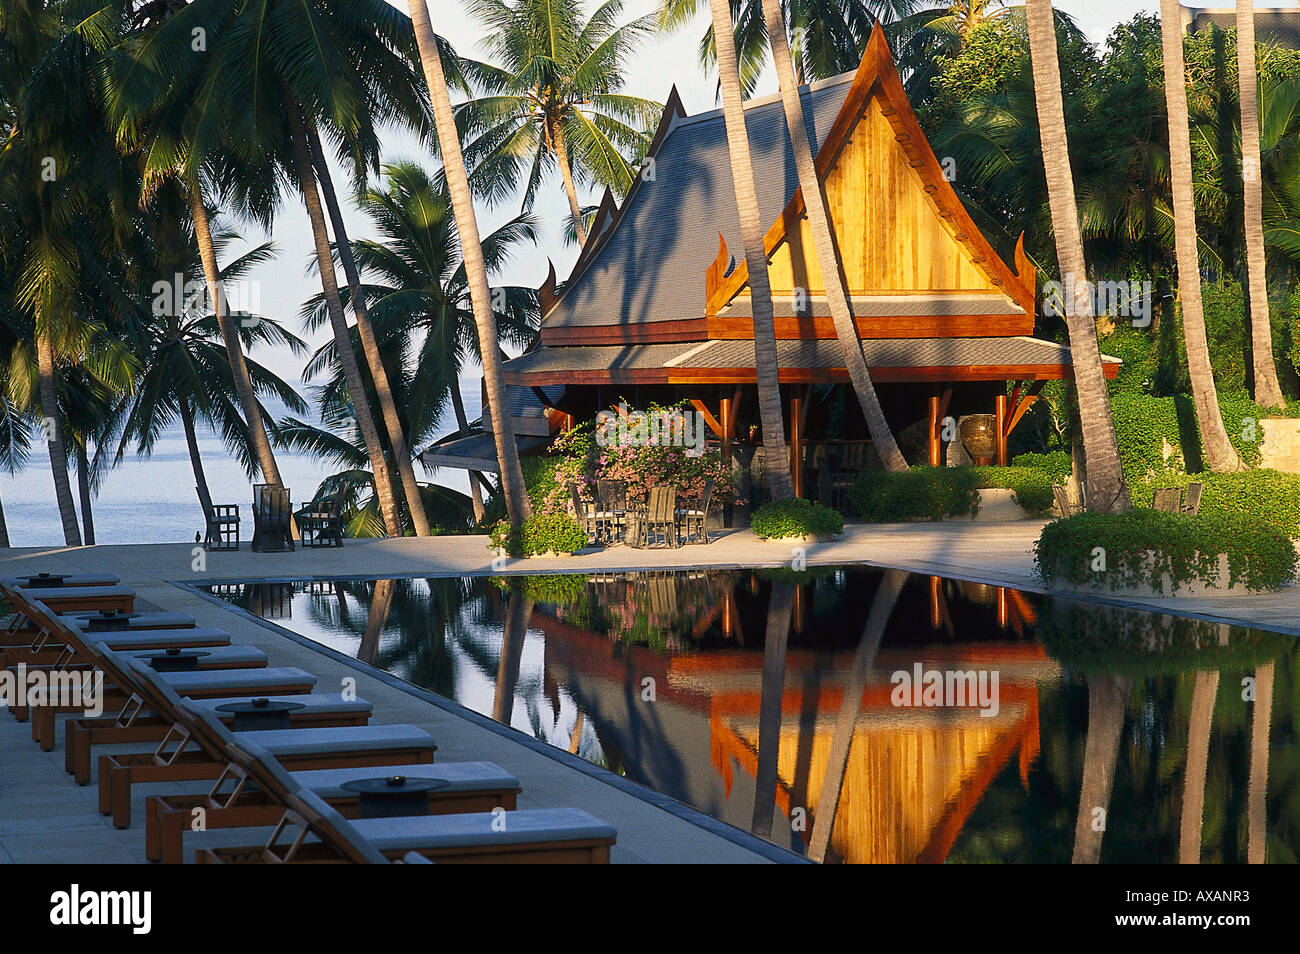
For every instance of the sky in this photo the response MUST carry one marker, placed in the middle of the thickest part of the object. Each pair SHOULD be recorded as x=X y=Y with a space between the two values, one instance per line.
x=284 y=284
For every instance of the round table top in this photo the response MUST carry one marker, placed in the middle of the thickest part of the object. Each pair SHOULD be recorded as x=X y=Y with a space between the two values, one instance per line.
x=261 y=705
x=395 y=785
x=175 y=654
x=45 y=577
x=98 y=615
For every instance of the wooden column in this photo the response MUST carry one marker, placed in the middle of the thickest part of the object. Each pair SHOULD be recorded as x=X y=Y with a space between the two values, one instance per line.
x=936 y=448
x=796 y=441
x=1000 y=413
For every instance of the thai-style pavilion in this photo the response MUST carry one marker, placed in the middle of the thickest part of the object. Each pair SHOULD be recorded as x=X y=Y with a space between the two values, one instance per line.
x=658 y=307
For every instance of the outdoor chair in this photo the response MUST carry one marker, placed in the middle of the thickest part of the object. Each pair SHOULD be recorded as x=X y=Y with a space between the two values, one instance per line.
x=535 y=835
x=232 y=802
x=585 y=513
x=223 y=528
x=657 y=520
x=272 y=519
x=693 y=520
x=1063 y=503
x=39 y=581
x=321 y=522
x=611 y=509
x=1192 y=503
x=181 y=757
x=1167 y=499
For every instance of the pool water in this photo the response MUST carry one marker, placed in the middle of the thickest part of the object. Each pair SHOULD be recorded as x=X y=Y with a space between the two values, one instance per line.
x=857 y=715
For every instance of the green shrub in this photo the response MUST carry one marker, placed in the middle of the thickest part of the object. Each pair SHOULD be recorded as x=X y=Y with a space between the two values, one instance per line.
x=1033 y=487
x=1056 y=464
x=921 y=493
x=935 y=493
x=1269 y=495
x=1160 y=435
x=1104 y=639
x=795 y=518
x=540 y=533
x=1139 y=547
x=558 y=589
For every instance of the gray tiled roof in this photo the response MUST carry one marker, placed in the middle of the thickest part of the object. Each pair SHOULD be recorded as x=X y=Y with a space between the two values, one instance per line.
x=652 y=267
x=1281 y=26
x=884 y=306
x=820 y=353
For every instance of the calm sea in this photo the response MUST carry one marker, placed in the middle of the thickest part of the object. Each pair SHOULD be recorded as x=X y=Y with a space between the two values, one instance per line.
x=152 y=500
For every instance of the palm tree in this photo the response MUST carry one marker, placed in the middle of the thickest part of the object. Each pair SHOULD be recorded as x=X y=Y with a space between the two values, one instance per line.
x=419 y=298
x=369 y=346
x=1199 y=726
x=823 y=232
x=512 y=478
x=1268 y=391
x=551 y=100
x=1219 y=452
x=673 y=14
x=1107 y=492
x=775 y=639
x=1107 y=695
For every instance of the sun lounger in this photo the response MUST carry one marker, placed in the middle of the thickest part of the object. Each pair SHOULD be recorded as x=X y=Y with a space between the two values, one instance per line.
x=35 y=581
x=46 y=650
x=72 y=599
x=232 y=802
x=182 y=757
x=537 y=835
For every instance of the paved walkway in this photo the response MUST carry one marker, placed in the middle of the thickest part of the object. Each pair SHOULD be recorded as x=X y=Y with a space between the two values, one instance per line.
x=45 y=817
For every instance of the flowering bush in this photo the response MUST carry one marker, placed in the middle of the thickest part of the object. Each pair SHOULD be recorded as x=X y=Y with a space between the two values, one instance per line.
x=578 y=460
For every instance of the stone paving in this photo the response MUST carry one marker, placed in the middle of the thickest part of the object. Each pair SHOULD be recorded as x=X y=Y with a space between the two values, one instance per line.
x=45 y=817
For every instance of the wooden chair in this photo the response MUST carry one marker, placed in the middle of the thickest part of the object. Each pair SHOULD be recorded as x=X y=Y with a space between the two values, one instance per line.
x=585 y=513
x=611 y=509
x=321 y=522
x=1192 y=503
x=223 y=528
x=1168 y=499
x=693 y=520
x=272 y=518
x=657 y=520
x=1063 y=503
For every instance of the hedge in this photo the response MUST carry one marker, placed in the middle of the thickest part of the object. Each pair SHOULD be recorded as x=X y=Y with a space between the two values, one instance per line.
x=1092 y=638
x=934 y=493
x=559 y=589
x=1270 y=495
x=1056 y=464
x=1140 y=547
x=540 y=533
x=795 y=518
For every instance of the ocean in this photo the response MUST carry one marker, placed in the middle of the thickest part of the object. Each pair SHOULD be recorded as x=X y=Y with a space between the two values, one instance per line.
x=152 y=500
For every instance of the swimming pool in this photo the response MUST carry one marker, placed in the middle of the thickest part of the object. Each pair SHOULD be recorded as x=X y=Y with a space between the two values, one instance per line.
x=859 y=715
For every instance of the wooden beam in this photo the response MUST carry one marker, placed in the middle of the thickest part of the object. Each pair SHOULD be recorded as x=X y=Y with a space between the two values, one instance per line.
x=1022 y=406
x=709 y=419
x=936 y=447
x=796 y=443
x=1000 y=429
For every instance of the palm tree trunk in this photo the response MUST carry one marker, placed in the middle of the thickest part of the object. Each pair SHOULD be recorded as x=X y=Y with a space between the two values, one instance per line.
x=369 y=346
x=58 y=450
x=1268 y=392
x=519 y=611
x=1257 y=792
x=561 y=149
x=196 y=463
x=777 y=461
x=837 y=760
x=476 y=492
x=828 y=256
x=512 y=478
x=1198 y=758
x=234 y=349
x=769 y=708
x=4 y=528
x=1219 y=452
x=1107 y=492
x=380 y=603
x=83 y=488
x=339 y=323
x=1106 y=698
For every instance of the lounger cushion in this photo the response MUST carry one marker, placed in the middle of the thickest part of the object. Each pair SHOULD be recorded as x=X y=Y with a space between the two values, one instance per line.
x=355 y=738
x=222 y=656
x=526 y=826
x=463 y=776
x=316 y=703
x=129 y=639
x=79 y=620
x=56 y=593
x=71 y=579
x=238 y=680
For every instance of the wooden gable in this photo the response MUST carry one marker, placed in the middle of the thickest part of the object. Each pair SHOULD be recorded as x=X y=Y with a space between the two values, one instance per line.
x=903 y=234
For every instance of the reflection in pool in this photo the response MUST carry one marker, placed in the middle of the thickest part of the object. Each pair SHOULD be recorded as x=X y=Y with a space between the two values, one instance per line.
x=837 y=712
